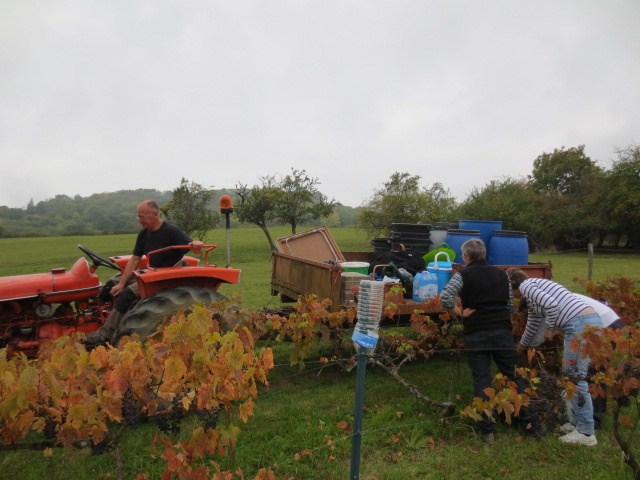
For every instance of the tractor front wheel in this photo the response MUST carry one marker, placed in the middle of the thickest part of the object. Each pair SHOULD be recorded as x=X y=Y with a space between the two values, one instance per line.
x=145 y=317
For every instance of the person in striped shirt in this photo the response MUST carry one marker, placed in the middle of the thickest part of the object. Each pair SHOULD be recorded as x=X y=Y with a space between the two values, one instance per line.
x=562 y=310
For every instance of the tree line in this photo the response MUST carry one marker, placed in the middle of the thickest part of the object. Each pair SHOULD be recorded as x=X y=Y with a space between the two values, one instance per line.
x=567 y=201
x=289 y=200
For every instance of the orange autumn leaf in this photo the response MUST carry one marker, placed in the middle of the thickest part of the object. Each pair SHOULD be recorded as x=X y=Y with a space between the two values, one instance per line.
x=344 y=426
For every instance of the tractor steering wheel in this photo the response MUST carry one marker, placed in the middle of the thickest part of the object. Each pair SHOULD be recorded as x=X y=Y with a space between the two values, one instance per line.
x=97 y=259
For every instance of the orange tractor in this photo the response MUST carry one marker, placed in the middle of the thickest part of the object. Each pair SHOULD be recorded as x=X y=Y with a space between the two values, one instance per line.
x=45 y=306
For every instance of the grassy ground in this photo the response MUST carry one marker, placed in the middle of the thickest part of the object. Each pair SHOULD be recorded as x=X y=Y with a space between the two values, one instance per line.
x=250 y=252
x=300 y=412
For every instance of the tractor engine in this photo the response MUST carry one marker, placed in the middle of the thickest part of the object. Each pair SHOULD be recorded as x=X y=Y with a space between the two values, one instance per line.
x=45 y=306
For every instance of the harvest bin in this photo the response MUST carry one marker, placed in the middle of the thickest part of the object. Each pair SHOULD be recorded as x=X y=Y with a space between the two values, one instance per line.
x=315 y=270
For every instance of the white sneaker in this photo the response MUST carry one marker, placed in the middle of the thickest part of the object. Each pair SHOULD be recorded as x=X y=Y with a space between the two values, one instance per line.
x=567 y=427
x=578 y=438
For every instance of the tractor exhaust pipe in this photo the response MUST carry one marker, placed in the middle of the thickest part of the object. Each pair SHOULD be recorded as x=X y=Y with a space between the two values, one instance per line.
x=226 y=208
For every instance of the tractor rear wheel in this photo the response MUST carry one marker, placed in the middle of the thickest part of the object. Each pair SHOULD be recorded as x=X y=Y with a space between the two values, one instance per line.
x=145 y=317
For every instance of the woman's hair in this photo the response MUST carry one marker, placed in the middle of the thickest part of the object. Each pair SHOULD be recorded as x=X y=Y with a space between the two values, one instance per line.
x=474 y=247
x=516 y=277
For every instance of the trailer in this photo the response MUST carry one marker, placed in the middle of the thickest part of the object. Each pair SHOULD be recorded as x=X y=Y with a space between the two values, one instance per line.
x=309 y=263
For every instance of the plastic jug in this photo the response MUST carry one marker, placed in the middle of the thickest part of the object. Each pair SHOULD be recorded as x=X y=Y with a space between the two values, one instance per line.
x=428 y=287
x=425 y=286
x=416 y=285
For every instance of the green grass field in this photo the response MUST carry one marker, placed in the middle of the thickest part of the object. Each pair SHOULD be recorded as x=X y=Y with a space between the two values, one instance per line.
x=250 y=252
x=300 y=411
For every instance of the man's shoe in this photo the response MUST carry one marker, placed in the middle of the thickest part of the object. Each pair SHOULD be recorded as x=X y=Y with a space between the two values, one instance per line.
x=567 y=427
x=488 y=438
x=578 y=438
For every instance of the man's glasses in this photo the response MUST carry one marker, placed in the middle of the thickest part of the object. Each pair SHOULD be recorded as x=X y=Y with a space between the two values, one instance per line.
x=141 y=217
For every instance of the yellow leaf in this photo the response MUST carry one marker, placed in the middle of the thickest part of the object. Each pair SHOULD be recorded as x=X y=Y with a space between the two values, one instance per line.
x=235 y=359
x=77 y=415
x=267 y=358
x=246 y=410
x=186 y=402
x=174 y=369
x=48 y=452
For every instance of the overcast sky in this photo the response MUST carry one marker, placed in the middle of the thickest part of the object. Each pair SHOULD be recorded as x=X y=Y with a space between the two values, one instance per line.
x=99 y=96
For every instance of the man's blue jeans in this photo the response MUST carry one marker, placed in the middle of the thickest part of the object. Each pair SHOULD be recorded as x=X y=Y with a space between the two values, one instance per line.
x=574 y=365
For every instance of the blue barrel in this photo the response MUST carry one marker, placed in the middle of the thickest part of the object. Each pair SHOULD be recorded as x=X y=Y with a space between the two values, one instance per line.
x=508 y=248
x=486 y=228
x=455 y=239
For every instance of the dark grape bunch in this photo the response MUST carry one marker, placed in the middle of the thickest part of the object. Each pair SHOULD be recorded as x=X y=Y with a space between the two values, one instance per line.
x=209 y=417
x=130 y=409
x=98 y=448
x=50 y=431
x=549 y=405
x=170 y=422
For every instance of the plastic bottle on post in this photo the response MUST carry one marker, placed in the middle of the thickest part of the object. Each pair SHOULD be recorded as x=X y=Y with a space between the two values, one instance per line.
x=370 y=301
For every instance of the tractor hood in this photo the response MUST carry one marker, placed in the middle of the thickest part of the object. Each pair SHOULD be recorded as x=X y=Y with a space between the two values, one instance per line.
x=55 y=286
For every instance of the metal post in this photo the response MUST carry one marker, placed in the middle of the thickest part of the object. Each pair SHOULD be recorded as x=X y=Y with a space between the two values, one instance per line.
x=228 y=241
x=365 y=337
x=226 y=208
x=357 y=416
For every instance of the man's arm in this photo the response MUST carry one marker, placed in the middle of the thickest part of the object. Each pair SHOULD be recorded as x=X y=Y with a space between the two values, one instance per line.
x=131 y=266
x=530 y=329
x=196 y=246
x=450 y=291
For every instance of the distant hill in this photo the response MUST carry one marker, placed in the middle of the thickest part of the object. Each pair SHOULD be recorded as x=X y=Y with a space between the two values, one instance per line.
x=102 y=214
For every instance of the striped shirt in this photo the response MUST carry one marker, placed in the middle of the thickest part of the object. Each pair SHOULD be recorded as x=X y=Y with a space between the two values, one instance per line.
x=548 y=301
x=451 y=291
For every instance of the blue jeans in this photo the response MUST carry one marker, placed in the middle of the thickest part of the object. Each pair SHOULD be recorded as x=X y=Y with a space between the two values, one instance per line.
x=573 y=364
x=481 y=348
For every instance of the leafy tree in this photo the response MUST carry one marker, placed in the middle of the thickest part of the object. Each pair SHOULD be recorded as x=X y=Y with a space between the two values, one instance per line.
x=258 y=205
x=333 y=220
x=191 y=208
x=622 y=202
x=563 y=172
x=300 y=201
x=567 y=184
x=348 y=215
x=511 y=201
x=402 y=200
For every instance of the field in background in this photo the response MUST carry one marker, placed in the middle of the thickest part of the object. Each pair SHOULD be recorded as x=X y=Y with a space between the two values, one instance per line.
x=250 y=252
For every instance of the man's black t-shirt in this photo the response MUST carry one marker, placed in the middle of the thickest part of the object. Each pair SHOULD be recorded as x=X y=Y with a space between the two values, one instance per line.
x=167 y=235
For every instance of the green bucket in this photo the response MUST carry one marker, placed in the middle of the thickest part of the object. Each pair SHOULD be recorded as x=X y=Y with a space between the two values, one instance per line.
x=443 y=247
x=358 y=267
